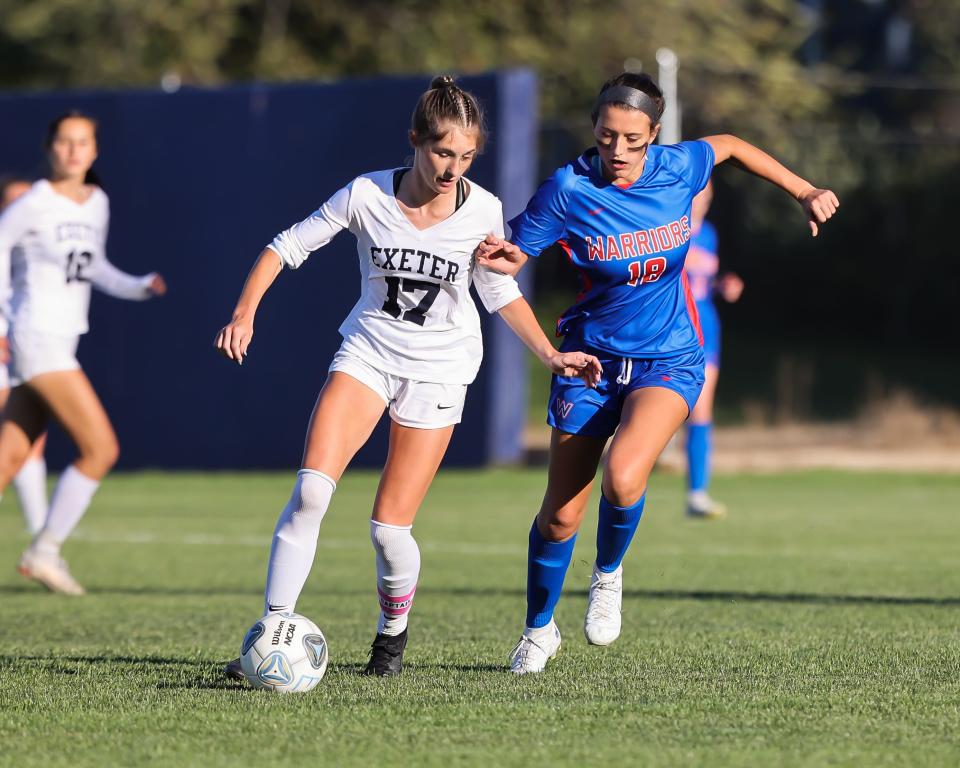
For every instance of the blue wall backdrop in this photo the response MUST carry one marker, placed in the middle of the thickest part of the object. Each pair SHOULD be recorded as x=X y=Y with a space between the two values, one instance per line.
x=199 y=181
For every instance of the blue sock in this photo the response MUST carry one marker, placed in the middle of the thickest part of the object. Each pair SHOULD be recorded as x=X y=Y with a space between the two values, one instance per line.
x=547 y=563
x=615 y=530
x=698 y=455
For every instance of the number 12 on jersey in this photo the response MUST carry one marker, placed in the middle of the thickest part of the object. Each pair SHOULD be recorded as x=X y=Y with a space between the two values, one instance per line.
x=417 y=314
x=648 y=271
x=77 y=264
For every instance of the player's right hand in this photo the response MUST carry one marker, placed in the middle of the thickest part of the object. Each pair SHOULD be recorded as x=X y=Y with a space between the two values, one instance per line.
x=500 y=255
x=158 y=286
x=233 y=339
x=580 y=364
x=818 y=206
x=4 y=350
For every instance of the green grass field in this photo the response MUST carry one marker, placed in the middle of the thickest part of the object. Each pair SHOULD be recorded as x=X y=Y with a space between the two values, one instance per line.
x=818 y=625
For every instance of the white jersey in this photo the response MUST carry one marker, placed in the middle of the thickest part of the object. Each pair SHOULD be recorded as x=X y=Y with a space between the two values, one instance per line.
x=55 y=250
x=415 y=317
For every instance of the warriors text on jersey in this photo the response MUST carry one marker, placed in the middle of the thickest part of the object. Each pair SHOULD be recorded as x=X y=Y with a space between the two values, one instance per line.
x=629 y=245
x=56 y=251
x=415 y=317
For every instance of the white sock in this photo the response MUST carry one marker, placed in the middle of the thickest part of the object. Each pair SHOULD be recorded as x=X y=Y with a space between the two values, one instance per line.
x=295 y=539
x=398 y=568
x=31 y=486
x=538 y=633
x=71 y=498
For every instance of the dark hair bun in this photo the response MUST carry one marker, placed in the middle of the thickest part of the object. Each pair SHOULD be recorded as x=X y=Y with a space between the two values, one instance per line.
x=442 y=81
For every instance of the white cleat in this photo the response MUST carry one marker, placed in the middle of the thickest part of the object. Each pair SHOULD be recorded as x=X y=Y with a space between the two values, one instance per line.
x=701 y=507
x=535 y=649
x=52 y=572
x=601 y=625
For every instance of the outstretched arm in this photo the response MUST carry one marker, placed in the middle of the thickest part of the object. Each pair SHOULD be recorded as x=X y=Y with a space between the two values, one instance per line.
x=235 y=337
x=522 y=321
x=115 y=282
x=818 y=204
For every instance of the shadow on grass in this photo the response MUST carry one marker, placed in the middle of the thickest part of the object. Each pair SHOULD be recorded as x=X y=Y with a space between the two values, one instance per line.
x=421 y=667
x=159 y=591
x=696 y=595
x=54 y=659
x=725 y=596
x=182 y=673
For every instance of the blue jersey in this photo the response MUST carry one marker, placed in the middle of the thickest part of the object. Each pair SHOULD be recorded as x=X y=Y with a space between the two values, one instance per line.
x=629 y=244
x=703 y=263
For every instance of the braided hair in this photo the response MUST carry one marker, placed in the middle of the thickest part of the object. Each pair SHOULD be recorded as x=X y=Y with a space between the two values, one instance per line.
x=446 y=102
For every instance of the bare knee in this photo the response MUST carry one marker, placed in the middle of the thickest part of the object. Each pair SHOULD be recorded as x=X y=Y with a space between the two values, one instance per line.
x=11 y=459
x=559 y=524
x=98 y=458
x=623 y=485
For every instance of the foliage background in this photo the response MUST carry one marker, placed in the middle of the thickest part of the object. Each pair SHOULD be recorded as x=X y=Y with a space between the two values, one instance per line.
x=860 y=95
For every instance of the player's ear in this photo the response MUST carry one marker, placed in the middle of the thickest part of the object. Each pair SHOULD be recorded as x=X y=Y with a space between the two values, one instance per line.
x=412 y=136
x=654 y=133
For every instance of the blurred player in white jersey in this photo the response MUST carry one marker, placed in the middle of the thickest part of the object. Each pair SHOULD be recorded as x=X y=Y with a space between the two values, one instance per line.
x=411 y=344
x=30 y=482
x=54 y=237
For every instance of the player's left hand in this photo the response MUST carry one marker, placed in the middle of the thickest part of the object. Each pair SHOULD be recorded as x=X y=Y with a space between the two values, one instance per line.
x=158 y=286
x=730 y=287
x=4 y=350
x=500 y=255
x=818 y=205
x=580 y=364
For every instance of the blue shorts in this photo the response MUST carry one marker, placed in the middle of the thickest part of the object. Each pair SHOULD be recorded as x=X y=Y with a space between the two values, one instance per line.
x=710 y=325
x=579 y=410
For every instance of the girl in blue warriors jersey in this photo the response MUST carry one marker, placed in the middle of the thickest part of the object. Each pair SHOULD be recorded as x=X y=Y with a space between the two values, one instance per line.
x=622 y=210
x=702 y=266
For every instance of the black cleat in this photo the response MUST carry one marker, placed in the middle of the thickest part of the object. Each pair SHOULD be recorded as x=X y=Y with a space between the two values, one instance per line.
x=233 y=671
x=386 y=655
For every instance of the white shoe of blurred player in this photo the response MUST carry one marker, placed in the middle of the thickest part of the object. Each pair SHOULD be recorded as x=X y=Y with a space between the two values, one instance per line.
x=701 y=507
x=601 y=625
x=535 y=649
x=51 y=571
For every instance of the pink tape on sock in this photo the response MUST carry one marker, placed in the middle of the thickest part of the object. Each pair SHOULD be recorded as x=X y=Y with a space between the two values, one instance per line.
x=395 y=606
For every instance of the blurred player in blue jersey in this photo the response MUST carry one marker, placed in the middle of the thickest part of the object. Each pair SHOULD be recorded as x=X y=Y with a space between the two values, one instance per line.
x=702 y=266
x=623 y=212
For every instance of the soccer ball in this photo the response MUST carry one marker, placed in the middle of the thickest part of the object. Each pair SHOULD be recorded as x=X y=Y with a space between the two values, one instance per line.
x=284 y=652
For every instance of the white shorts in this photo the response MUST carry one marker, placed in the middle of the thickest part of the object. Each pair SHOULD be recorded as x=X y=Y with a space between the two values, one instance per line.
x=4 y=377
x=418 y=404
x=35 y=352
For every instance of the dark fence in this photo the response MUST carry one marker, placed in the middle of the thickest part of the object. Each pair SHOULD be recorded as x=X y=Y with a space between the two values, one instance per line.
x=199 y=181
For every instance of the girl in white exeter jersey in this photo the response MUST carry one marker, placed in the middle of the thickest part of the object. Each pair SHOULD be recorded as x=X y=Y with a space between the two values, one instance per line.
x=55 y=236
x=412 y=343
x=30 y=482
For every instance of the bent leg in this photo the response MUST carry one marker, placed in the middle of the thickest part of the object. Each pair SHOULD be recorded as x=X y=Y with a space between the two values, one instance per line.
x=30 y=482
x=650 y=417
x=573 y=467
x=343 y=419
x=72 y=401
x=24 y=421
x=412 y=462
x=345 y=414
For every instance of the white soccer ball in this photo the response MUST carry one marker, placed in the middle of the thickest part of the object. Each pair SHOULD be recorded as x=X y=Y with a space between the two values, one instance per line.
x=284 y=652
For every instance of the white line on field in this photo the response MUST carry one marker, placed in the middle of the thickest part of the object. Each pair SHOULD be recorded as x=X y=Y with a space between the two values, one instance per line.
x=361 y=544
x=325 y=542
